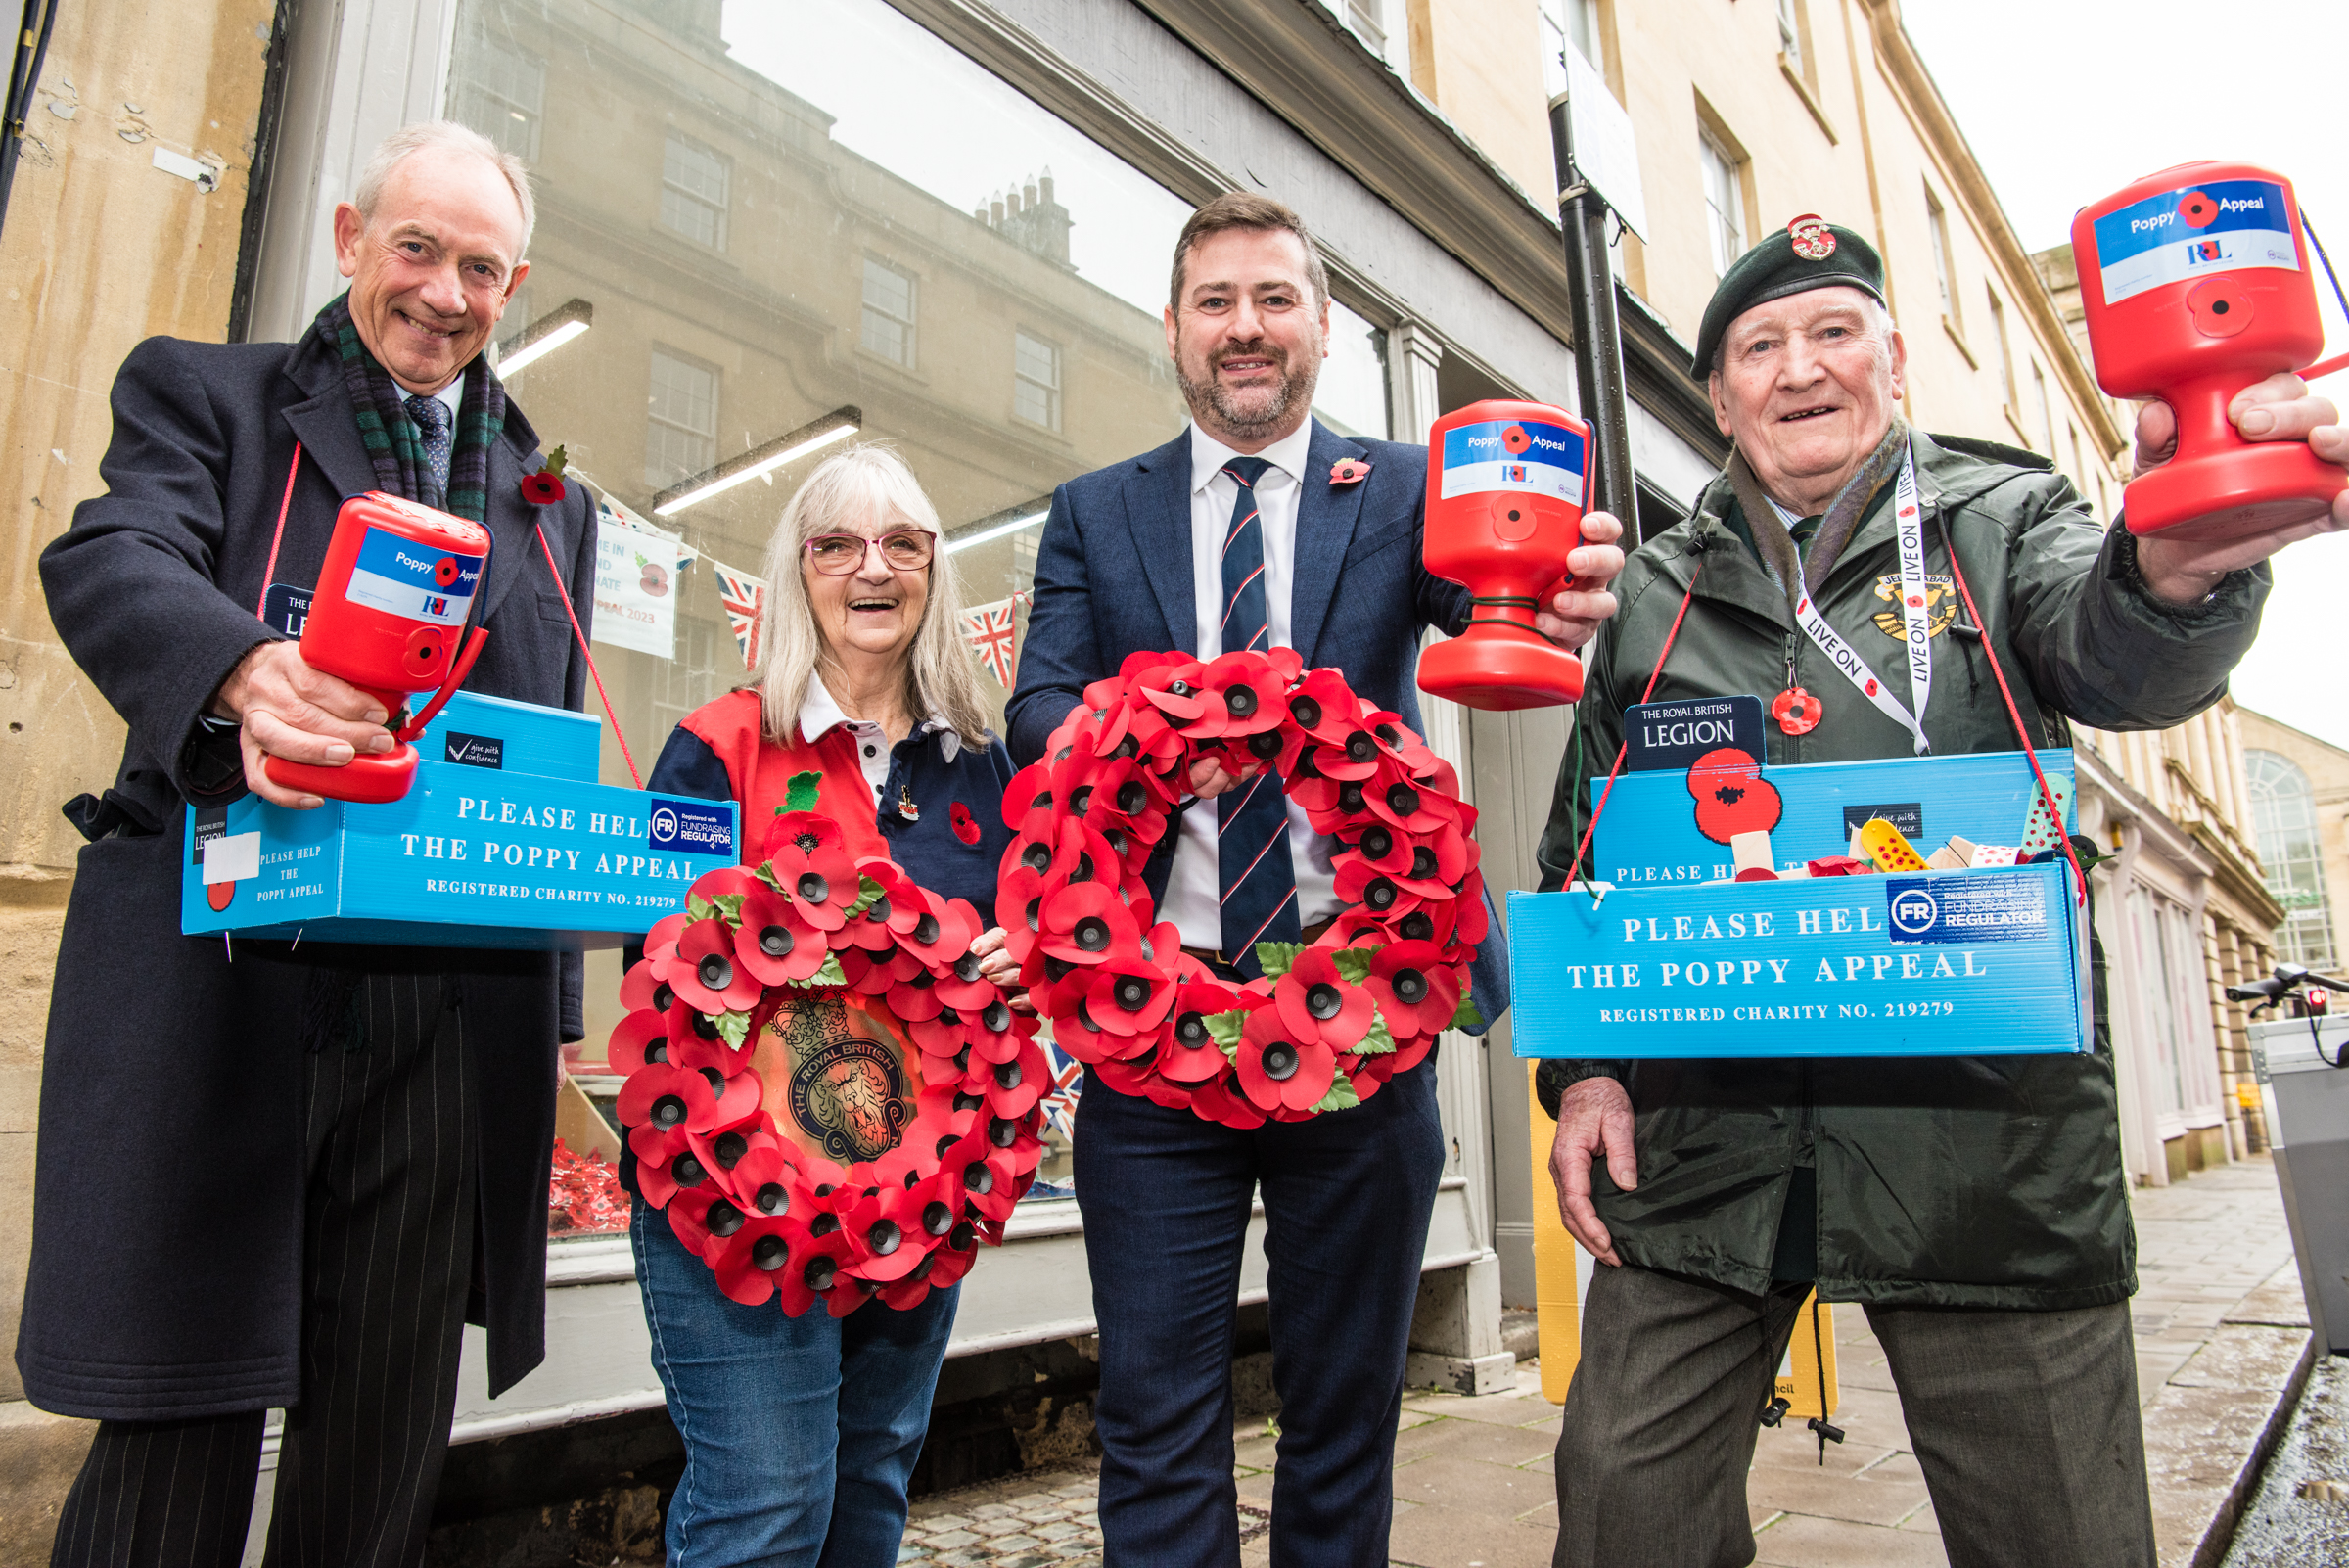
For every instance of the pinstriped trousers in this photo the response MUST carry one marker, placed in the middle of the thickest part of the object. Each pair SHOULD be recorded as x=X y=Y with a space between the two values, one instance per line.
x=387 y=1266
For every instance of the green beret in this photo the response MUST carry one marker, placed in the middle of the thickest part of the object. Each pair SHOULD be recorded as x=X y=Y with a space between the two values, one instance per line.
x=1809 y=253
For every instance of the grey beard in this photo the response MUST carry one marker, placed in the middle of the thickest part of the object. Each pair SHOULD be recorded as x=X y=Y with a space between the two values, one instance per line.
x=1273 y=415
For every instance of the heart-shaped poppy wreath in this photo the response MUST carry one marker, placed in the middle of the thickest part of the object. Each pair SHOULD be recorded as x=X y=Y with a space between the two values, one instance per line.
x=770 y=1219
x=1327 y=1025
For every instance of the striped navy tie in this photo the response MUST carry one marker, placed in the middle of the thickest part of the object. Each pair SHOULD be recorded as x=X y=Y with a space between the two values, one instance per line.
x=1251 y=823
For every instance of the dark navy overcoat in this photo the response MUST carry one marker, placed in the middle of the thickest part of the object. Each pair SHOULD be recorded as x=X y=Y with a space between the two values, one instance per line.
x=167 y=1215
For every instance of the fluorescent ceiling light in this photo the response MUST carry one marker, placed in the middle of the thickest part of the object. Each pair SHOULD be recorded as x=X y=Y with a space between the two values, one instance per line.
x=546 y=335
x=838 y=424
x=1014 y=526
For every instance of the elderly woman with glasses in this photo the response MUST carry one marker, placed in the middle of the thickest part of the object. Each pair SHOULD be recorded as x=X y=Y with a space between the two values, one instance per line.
x=801 y=1433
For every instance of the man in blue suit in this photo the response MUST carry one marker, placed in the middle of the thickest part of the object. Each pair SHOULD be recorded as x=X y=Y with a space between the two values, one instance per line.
x=1238 y=533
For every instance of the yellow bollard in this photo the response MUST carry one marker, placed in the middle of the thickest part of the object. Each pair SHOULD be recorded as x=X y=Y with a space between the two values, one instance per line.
x=1562 y=1270
x=1559 y=1265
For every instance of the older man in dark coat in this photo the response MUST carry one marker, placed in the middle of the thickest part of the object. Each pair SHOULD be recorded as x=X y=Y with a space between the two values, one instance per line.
x=278 y=1174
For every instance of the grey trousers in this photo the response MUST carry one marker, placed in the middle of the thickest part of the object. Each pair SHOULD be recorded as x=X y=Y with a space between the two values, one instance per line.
x=2025 y=1424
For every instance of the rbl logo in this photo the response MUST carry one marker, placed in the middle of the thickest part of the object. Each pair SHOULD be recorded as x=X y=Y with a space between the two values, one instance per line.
x=1513 y=473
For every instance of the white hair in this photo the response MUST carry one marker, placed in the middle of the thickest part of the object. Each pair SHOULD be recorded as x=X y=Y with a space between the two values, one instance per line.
x=446 y=136
x=867 y=480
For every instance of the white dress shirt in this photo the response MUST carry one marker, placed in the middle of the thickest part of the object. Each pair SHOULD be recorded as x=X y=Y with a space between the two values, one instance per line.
x=1195 y=885
x=821 y=711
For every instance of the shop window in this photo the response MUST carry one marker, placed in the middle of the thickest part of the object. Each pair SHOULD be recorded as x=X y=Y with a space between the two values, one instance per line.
x=2045 y=409
x=1036 y=380
x=836 y=141
x=1351 y=396
x=2283 y=817
x=500 y=92
x=693 y=192
x=680 y=431
x=887 y=315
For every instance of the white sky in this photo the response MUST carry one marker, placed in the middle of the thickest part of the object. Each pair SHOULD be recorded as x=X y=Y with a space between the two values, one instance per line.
x=2066 y=101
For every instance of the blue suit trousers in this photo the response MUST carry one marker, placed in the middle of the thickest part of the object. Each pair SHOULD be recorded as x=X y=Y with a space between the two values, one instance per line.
x=1167 y=1199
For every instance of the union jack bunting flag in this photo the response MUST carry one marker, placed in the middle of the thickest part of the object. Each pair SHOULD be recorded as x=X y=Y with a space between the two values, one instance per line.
x=1060 y=1105
x=742 y=595
x=990 y=631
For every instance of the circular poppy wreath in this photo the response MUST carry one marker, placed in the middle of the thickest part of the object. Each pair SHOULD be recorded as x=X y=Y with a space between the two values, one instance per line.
x=1327 y=1025
x=771 y=1220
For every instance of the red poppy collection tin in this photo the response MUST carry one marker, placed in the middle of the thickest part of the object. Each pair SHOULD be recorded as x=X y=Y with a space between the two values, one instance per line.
x=505 y=840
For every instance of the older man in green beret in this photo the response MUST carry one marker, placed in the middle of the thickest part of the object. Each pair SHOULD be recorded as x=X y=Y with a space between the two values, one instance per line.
x=1976 y=1207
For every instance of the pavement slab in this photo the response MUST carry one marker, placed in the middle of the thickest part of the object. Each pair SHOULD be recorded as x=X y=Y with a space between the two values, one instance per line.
x=2222 y=1340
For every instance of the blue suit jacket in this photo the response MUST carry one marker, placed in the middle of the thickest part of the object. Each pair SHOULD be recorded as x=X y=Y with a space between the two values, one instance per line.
x=1113 y=576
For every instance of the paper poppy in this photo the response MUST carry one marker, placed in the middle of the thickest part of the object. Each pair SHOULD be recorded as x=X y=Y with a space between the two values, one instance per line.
x=965 y=825
x=775 y=943
x=1416 y=990
x=639 y=1037
x=749 y=1261
x=808 y=864
x=1317 y=1003
x=1349 y=470
x=708 y=977
x=1277 y=1070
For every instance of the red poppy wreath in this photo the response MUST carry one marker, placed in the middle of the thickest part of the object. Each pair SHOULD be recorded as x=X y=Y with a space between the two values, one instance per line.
x=1327 y=1025
x=824 y=1094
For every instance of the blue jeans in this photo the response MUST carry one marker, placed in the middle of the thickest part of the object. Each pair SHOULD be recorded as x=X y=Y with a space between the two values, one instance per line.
x=800 y=1433
x=1166 y=1196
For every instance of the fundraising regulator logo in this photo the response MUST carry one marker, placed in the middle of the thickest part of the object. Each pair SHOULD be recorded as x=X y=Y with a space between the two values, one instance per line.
x=689 y=827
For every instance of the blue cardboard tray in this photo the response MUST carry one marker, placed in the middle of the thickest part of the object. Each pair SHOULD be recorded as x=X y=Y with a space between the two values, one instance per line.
x=1939 y=963
x=515 y=845
x=1647 y=835
x=1658 y=963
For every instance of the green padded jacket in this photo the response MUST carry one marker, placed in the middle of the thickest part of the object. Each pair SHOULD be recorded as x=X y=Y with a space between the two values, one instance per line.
x=1979 y=1182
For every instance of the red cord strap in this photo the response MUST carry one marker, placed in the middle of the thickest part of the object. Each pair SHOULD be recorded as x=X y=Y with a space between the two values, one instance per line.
x=1957 y=572
x=1623 y=749
x=614 y=718
x=2055 y=807
x=269 y=571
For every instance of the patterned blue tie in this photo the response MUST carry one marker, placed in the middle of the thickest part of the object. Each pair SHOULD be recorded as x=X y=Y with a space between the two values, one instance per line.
x=1251 y=823
x=430 y=415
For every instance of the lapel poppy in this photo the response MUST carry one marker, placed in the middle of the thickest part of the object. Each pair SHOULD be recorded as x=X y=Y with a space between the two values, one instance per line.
x=965 y=825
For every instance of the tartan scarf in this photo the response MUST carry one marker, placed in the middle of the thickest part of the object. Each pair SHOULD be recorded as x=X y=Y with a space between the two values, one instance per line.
x=1799 y=571
x=394 y=443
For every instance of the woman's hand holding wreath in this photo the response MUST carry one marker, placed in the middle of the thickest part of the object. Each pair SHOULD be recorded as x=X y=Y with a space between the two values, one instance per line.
x=810 y=922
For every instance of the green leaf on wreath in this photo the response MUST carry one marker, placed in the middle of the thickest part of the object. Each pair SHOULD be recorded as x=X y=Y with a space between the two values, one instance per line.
x=1224 y=1029
x=1467 y=1017
x=1354 y=963
x=868 y=891
x=765 y=871
x=1378 y=1041
x=1341 y=1096
x=1278 y=957
x=801 y=792
x=829 y=974
x=697 y=907
x=729 y=904
x=734 y=1028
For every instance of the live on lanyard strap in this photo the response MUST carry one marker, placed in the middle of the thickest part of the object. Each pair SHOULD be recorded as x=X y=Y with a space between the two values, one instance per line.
x=1908 y=523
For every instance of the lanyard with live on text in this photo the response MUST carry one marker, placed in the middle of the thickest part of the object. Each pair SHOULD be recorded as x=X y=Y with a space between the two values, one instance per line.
x=1797 y=711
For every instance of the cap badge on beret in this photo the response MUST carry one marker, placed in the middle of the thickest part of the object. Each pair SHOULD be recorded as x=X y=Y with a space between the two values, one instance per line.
x=1812 y=240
